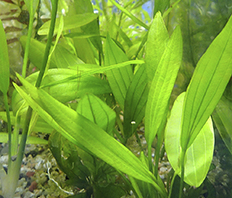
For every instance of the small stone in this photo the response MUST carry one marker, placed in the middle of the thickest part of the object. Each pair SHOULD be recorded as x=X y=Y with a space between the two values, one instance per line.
x=29 y=194
x=30 y=173
x=33 y=186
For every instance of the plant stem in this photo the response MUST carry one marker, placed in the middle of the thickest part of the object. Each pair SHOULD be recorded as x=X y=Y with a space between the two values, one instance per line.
x=8 y=128
x=11 y=181
x=49 y=43
x=25 y=58
x=182 y=156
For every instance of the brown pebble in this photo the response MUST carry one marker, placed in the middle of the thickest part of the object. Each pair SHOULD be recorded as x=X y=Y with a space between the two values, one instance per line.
x=30 y=173
x=33 y=186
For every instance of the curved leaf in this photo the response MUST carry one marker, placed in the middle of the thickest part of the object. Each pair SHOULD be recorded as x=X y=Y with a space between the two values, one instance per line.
x=199 y=155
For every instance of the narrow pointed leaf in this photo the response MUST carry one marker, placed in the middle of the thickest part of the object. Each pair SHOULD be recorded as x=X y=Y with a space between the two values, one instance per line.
x=90 y=69
x=156 y=44
x=86 y=134
x=207 y=85
x=119 y=79
x=198 y=156
x=162 y=85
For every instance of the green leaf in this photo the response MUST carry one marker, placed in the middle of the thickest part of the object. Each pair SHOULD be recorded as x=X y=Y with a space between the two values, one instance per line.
x=94 y=109
x=162 y=85
x=90 y=69
x=119 y=79
x=85 y=134
x=70 y=22
x=156 y=44
x=36 y=52
x=222 y=118
x=68 y=90
x=161 y=5
x=135 y=102
x=92 y=28
x=30 y=139
x=63 y=58
x=4 y=62
x=199 y=155
x=66 y=155
x=207 y=85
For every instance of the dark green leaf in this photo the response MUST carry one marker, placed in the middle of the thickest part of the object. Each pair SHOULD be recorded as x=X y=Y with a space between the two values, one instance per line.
x=135 y=102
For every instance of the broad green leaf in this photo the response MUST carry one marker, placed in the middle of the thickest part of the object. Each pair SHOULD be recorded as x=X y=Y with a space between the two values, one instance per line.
x=36 y=52
x=63 y=58
x=135 y=102
x=94 y=109
x=222 y=117
x=119 y=79
x=30 y=139
x=156 y=44
x=162 y=86
x=199 y=155
x=70 y=22
x=4 y=62
x=85 y=134
x=207 y=85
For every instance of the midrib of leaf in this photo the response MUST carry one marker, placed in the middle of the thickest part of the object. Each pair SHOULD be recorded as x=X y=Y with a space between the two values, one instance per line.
x=91 y=108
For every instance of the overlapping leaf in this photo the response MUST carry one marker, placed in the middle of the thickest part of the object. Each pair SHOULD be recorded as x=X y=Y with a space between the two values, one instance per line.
x=86 y=134
x=135 y=102
x=119 y=79
x=70 y=22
